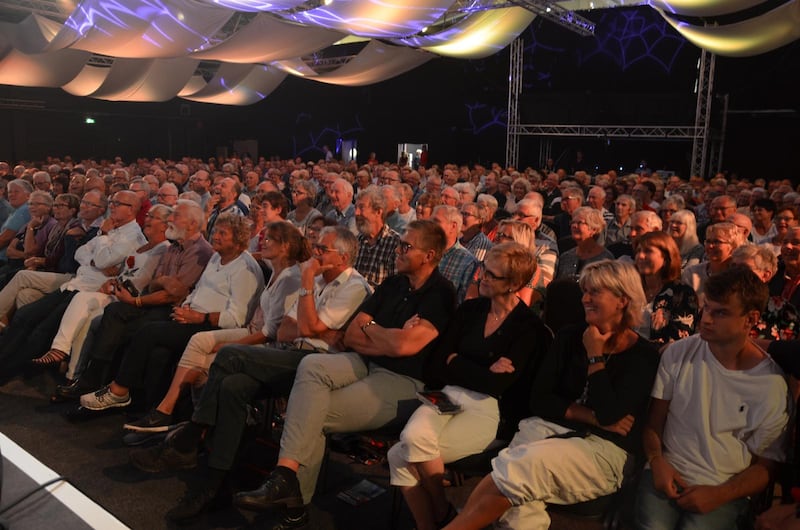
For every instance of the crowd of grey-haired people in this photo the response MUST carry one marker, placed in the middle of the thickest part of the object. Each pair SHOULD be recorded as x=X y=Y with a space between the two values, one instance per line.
x=604 y=329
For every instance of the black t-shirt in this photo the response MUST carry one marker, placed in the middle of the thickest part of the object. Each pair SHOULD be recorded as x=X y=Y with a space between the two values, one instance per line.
x=394 y=302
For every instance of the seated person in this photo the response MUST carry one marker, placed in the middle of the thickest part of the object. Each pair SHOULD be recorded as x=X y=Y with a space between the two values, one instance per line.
x=138 y=269
x=176 y=273
x=34 y=325
x=30 y=240
x=284 y=247
x=330 y=292
x=718 y=416
x=589 y=397
x=366 y=388
x=29 y=285
x=225 y=297
x=498 y=323
x=721 y=240
x=671 y=310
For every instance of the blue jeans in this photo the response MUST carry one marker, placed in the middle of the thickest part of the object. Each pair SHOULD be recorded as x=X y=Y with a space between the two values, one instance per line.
x=655 y=511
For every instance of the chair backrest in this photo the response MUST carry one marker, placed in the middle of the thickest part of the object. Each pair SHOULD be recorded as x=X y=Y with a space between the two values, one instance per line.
x=562 y=304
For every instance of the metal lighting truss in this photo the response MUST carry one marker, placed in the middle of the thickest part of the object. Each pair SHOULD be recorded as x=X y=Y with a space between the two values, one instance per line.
x=514 y=91
x=699 y=132
x=702 y=116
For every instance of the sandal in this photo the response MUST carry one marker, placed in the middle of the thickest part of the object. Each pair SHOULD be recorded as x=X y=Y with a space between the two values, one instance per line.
x=52 y=357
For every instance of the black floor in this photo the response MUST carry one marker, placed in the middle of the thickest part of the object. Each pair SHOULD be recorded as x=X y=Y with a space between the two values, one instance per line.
x=91 y=454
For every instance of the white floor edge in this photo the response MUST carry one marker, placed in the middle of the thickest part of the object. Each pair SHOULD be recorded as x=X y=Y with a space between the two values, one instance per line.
x=92 y=513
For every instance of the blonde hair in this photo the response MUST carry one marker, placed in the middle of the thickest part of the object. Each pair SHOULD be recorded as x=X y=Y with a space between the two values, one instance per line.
x=623 y=280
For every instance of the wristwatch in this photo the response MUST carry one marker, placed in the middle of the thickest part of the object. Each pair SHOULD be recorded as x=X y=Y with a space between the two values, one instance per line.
x=365 y=326
x=596 y=359
x=303 y=292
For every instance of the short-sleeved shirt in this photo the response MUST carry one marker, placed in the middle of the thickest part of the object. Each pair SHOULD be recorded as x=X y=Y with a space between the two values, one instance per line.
x=232 y=289
x=15 y=221
x=394 y=302
x=458 y=265
x=335 y=301
x=377 y=262
x=718 y=418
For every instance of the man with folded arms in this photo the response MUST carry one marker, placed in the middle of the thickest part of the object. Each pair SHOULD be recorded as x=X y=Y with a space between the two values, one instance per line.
x=368 y=386
x=331 y=291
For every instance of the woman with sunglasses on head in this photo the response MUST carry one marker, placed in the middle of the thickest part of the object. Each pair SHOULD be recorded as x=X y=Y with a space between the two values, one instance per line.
x=487 y=346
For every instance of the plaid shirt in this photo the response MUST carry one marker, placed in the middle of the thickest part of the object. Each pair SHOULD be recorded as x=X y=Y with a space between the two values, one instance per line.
x=458 y=265
x=479 y=245
x=376 y=262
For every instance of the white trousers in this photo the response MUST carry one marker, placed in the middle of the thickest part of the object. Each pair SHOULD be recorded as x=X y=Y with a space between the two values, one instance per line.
x=74 y=327
x=429 y=435
x=197 y=354
x=535 y=470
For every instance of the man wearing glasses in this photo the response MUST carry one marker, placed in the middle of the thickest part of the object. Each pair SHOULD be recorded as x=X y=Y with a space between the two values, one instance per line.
x=34 y=325
x=370 y=385
x=330 y=292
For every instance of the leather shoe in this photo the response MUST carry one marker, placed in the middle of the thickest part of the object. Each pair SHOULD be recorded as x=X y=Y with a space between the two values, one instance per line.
x=162 y=457
x=280 y=489
x=195 y=502
x=72 y=391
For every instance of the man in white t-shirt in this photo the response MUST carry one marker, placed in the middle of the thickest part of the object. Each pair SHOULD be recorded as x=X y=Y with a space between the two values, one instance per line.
x=718 y=418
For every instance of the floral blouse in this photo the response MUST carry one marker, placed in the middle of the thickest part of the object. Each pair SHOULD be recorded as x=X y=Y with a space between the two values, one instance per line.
x=673 y=313
x=778 y=322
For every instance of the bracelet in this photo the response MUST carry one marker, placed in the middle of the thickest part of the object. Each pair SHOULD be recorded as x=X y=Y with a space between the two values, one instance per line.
x=138 y=301
x=365 y=326
x=596 y=359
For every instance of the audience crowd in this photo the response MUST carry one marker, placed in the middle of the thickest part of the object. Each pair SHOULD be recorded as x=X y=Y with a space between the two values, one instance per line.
x=609 y=329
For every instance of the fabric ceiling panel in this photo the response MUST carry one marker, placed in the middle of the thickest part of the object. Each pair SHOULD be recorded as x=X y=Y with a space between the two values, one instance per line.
x=52 y=69
x=227 y=77
x=32 y=35
x=478 y=36
x=267 y=39
x=146 y=79
x=376 y=18
x=87 y=81
x=700 y=8
x=751 y=37
x=257 y=85
x=375 y=63
x=141 y=28
x=253 y=6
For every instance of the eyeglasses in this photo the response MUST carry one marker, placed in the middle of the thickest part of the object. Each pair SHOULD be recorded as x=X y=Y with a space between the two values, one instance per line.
x=60 y=205
x=404 y=247
x=520 y=215
x=153 y=216
x=784 y=218
x=117 y=204
x=93 y=205
x=717 y=242
x=321 y=249
x=489 y=275
x=468 y=214
x=298 y=192
x=38 y=204
x=578 y=222
x=501 y=236
x=167 y=194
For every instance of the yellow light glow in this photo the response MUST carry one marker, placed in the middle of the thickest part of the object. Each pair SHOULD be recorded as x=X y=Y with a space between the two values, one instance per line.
x=751 y=37
x=485 y=33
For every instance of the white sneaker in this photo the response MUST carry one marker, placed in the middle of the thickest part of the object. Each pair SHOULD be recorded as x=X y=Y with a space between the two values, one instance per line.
x=104 y=399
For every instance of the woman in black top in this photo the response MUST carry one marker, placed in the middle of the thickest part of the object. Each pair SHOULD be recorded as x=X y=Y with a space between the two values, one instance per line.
x=589 y=399
x=487 y=345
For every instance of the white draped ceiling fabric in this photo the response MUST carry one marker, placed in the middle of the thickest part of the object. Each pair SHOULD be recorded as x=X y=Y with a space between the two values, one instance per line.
x=236 y=52
x=755 y=35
